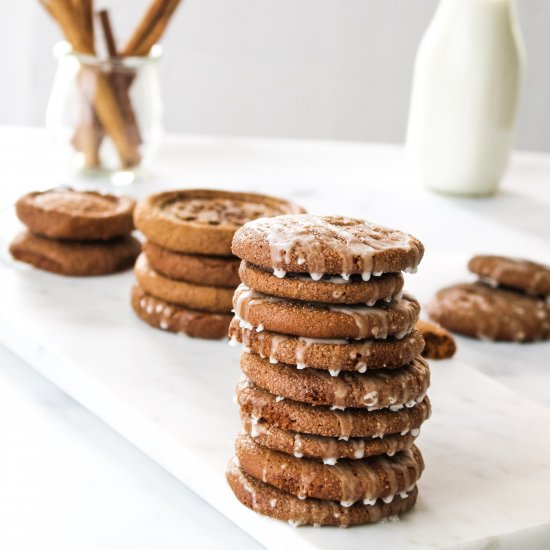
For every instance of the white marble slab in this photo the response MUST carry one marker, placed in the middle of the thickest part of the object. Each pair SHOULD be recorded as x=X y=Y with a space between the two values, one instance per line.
x=486 y=447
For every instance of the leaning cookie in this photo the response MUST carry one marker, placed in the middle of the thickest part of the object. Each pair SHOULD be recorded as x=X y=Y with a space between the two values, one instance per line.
x=269 y=501
x=174 y=318
x=193 y=268
x=329 y=289
x=326 y=245
x=439 y=344
x=76 y=258
x=76 y=215
x=479 y=311
x=531 y=277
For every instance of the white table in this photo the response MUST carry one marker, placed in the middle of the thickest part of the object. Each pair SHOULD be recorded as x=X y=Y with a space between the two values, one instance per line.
x=114 y=485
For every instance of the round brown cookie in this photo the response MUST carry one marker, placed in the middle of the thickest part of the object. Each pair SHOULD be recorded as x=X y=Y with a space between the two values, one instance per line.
x=330 y=290
x=346 y=482
x=203 y=221
x=76 y=215
x=376 y=390
x=332 y=355
x=76 y=258
x=204 y=298
x=325 y=320
x=328 y=449
x=525 y=275
x=328 y=244
x=300 y=417
x=479 y=311
x=270 y=501
x=201 y=270
x=174 y=318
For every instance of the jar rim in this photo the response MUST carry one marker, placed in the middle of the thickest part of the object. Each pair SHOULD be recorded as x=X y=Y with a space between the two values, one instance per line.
x=64 y=49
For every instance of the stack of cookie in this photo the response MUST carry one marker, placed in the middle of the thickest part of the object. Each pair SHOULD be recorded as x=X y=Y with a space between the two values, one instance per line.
x=76 y=232
x=509 y=302
x=187 y=274
x=334 y=388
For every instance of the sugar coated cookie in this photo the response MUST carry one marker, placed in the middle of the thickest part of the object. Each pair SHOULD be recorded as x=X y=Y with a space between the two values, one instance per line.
x=326 y=245
x=311 y=320
x=270 y=501
x=525 y=275
x=479 y=311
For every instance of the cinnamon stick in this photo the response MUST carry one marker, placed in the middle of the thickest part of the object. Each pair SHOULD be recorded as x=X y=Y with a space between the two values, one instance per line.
x=102 y=96
x=150 y=28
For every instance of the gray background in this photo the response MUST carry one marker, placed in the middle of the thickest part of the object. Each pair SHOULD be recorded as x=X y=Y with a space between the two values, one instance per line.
x=327 y=69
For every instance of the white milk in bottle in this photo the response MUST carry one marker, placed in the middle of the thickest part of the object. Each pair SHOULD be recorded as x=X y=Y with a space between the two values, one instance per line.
x=465 y=94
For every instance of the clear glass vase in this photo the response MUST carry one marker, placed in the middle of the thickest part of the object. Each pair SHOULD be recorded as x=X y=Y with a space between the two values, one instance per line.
x=106 y=112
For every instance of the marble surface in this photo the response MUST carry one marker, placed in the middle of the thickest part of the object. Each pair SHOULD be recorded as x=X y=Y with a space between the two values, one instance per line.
x=69 y=481
x=486 y=446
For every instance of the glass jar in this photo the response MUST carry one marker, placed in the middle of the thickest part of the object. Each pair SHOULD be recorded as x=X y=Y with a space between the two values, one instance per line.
x=106 y=112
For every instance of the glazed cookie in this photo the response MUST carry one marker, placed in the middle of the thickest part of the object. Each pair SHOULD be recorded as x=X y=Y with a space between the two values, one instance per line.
x=332 y=355
x=76 y=258
x=76 y=215
x=206 y=298
x=299 y=417
x=269 y=501
x=203 y=221
x=327 y=449
x=479 y=311
x=328 y=289
x=347 y=482
x=326 y=245
x=173 y=318
x=192 y=268
x=325 y=321
x=439 y=344
x=380 y=389
x=524 y=275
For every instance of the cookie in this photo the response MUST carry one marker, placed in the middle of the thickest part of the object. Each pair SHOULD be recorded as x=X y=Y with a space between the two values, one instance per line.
x=439 y=344
x=525 y=275
x=327 y=449
x=332 y=355
x=174 y=318
x=76 y=258
x=192 y=268
x=328 y=289
x=380 y=389
x=203 y=221
x=479 y=311
x=326 y=245
x=76 y=215
x=325 y=320
x=269 y=501
x=205 y=298
x=347 y=482
x=300 y=417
